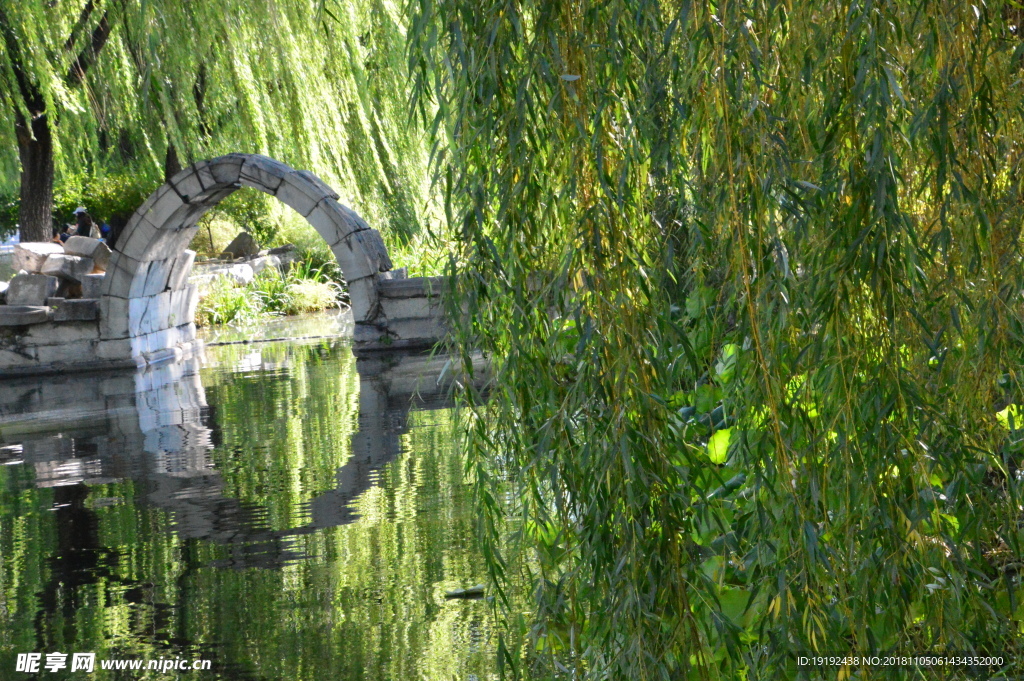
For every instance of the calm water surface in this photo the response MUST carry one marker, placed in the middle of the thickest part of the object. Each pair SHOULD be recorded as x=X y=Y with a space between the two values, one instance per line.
x=273 y=508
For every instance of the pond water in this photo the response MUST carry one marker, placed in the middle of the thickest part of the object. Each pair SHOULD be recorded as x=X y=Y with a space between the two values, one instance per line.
x=277 y=509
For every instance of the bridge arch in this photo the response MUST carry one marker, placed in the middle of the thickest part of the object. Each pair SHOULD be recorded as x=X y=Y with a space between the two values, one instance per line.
x=146 y=298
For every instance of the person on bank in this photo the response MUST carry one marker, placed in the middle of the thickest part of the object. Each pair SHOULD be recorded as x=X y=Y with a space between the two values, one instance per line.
x=59 y=237
x=86 y=225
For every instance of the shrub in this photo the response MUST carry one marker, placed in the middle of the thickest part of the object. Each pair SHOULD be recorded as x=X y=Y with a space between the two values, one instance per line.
x=308 y=295
x=272 y=288
x=224 y=303
x=303 y=289
x=107 y=198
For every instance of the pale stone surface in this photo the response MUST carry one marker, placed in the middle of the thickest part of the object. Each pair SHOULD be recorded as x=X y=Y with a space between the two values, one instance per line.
x=412 y=329
x=363 y=298
x=303 y=191
x=165 y=210
x=31 y=256
x=263 y=173
x=262 y=263
x=150 y=313
x=366 y=332
x=334 y=222
x=62 y=333
x=240 y=273
x=157 y=275
x=113 y=317
x=78 y=310
x=321 y=186
x=203 y=281
x=137 y=236
x=353 y=259
x=92 y=285
x=31 y=289
x=89 y=248
x=120 y=275
x=148 y=242
x=205 y=176
x=191 y=302
x=242 y=246
x=3 y=291
x=179 y=273
x=409 y=308
x=114 y=349
x=22 y=315
x=68 y=354
x=187 y=183
x=373 y=245
x=67 y=267
x=17 y=359
x=399 y=334
x=417 y=287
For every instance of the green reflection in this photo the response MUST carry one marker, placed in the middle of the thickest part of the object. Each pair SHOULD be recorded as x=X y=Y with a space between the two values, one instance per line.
x=226 y=561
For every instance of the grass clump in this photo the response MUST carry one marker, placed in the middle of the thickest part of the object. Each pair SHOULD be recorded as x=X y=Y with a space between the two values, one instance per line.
x=225 y=303
x=271 y=293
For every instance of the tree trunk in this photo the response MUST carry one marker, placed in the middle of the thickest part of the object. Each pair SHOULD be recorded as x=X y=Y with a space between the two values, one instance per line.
x=35 y=149
x=171 y=163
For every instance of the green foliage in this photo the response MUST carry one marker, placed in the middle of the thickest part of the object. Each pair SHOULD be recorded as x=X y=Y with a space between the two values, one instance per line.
x=225 y=303
x=308 y=295
x=798 y=224
x=108 y=197
x=250 y=210
x=303 y=289
x=321 y=90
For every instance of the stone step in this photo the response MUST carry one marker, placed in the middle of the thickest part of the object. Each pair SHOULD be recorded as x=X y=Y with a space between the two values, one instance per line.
x=81 y=310
x=23 y=315
x=417 y=287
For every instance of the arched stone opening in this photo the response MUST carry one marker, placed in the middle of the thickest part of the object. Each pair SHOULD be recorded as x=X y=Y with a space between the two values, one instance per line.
x=147 y=306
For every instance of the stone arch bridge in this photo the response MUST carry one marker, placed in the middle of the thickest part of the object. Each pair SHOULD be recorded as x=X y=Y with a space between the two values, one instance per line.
x=146 y=305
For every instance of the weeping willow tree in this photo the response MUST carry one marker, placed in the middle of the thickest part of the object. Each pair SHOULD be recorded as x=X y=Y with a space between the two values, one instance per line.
x=750 y=275
x=87 y=87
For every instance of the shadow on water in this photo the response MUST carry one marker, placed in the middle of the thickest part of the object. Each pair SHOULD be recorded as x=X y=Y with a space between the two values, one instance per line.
x=205 y=458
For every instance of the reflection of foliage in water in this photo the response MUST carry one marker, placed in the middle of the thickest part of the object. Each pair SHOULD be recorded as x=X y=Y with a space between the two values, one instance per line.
x=365 y=602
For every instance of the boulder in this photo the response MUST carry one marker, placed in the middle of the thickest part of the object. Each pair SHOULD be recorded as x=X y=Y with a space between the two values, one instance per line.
x=263 y=262
x=241 y=274
x=243 y=246
x=31 y=256
x=92 y=285
x=68 y=267
x=31 y=289
x=89 y=248
x=22 y=315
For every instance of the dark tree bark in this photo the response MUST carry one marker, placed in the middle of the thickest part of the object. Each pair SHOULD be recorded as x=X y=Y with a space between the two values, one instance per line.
x=171 y=163
x=35 y=138
x=35 y=149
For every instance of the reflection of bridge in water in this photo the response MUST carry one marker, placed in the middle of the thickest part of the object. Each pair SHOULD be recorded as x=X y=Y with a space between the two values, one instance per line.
x=155 y=428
